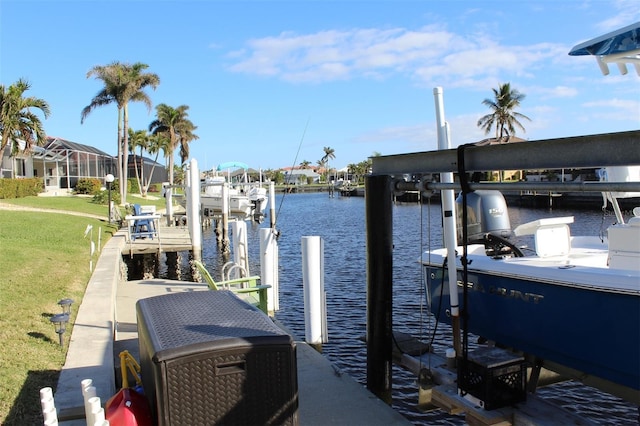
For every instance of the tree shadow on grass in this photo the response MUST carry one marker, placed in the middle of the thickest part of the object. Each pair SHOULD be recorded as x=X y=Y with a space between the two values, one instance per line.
x=26 y=409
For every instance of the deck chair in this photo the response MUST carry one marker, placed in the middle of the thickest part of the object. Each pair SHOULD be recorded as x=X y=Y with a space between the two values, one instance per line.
x=256 y=294
x=142 y=227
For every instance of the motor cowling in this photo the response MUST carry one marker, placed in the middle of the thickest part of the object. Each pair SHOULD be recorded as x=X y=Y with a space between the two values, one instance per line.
x=486 y=214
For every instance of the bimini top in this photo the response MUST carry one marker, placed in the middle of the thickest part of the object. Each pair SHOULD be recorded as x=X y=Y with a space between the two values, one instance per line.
x=232 y=165
x=620 y=47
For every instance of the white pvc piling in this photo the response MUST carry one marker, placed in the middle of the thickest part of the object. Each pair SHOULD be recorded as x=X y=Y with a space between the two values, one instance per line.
x=47 y=403
x=240 y=247
x=449 y=217
x=314 y=295
x=51 y=422
x=269 y=267
x=225 y=217
x=272 y=204
x=49 y=414
x=94 y=406
x=168 y=192
x=98 y=415
x=88 y=392
x=193 y=203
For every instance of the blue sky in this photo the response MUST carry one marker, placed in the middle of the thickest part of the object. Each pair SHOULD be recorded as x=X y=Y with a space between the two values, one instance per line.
x=270 y=83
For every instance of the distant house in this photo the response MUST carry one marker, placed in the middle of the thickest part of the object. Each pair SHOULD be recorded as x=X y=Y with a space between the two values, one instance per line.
x=147 y=165
x=300 y=176
x=61 y=163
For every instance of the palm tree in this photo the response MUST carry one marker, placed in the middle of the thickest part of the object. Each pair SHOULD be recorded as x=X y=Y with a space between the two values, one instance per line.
x=157 y=143
x=186 y=136
x=138 y=139
x=122 y=83
x=329 y=154
x=17 y=121
x=504 y=117
x=172 y=122
x=304 y=164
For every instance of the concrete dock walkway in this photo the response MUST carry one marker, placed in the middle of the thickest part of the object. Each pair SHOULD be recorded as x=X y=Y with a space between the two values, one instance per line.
x=106 y=324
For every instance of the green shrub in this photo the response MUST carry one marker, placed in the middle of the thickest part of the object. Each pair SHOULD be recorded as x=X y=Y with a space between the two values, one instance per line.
x=19 y=188
x=90 y=186
x=102 y=197
x=132 y=186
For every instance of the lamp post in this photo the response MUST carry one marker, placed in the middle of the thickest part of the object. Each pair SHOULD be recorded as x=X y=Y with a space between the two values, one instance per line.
x=65 y=304
x=60 y=322
x=109 y=178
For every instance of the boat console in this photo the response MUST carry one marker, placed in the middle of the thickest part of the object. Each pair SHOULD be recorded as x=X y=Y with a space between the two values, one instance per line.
x=624 y=243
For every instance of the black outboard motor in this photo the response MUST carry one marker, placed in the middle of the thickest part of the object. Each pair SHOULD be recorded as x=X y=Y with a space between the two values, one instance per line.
x=487 y=222
x=258 y=216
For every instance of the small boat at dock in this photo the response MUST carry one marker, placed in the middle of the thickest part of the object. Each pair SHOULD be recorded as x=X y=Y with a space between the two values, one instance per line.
x=550 y=304
x=230 y=184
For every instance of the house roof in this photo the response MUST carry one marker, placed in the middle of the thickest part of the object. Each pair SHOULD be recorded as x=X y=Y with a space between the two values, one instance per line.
x=54 y=144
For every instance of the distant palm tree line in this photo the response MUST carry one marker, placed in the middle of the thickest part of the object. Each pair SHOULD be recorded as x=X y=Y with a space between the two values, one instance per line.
x=355 y=171
x=124 y=83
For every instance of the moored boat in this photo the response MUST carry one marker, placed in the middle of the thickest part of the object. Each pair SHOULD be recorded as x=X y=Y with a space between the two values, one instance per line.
x=572 y=307
x=244 y=199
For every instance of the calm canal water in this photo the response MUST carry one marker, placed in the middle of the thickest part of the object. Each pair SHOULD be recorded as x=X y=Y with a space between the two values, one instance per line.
x=340 y=222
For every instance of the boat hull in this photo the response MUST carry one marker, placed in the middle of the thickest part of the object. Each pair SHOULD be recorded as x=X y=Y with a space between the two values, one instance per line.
x=595 y=331
x=239 y=206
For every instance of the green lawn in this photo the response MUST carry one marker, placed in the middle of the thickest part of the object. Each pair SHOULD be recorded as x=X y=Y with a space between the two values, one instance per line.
x=44 y=257
x=80 y=203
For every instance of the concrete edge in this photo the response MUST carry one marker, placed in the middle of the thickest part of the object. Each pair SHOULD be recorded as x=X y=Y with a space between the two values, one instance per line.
x=90 y=351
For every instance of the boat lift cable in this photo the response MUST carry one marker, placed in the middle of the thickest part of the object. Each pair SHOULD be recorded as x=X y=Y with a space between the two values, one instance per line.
x=295 y=160
x=427 y=283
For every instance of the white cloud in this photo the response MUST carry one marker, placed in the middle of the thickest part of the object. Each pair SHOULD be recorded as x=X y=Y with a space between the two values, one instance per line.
x=628 y=12
x=613 y=103
x=615 y=109
x=375 y=53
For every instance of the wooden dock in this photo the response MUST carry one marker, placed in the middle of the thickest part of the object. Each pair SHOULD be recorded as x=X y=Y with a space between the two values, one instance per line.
x=168 y=239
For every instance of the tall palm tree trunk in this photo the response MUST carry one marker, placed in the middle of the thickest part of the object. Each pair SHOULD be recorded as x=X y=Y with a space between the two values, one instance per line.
x=120 y=174
x=125 y=150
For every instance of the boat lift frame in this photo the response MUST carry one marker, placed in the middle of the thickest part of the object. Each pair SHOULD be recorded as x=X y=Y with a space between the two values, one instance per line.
x=397 y=173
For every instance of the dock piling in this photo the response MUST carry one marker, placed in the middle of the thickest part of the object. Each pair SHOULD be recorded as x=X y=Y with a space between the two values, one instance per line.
x=379 y=228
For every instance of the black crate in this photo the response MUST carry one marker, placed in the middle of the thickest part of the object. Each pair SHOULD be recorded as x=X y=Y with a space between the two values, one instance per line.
x=496 y=377
x=207 y=357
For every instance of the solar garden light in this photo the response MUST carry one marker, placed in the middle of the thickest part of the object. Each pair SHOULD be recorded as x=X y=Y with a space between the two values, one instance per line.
x=109 y=178
x=60 y=322
x=66 y=305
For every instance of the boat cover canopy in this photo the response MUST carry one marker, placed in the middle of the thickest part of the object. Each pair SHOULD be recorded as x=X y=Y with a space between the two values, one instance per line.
x=621 y=47
x=231 y=165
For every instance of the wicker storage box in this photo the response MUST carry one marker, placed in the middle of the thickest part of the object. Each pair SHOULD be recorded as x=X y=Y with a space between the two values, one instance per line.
x=210 y=358
x=497 y=378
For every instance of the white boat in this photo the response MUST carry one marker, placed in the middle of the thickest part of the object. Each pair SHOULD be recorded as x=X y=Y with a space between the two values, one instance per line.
x=245 y=200
x=573 y=306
